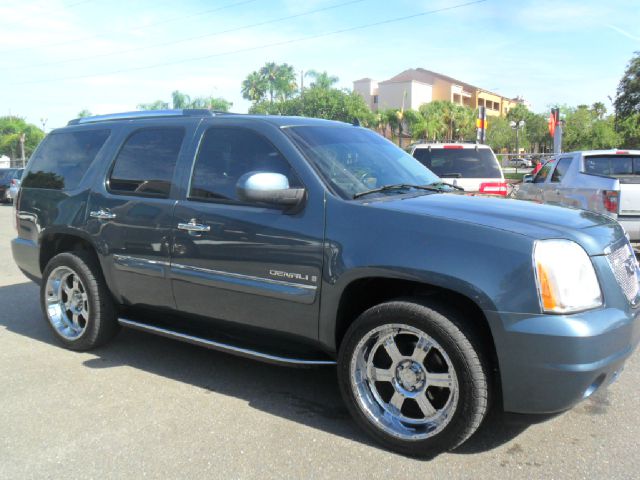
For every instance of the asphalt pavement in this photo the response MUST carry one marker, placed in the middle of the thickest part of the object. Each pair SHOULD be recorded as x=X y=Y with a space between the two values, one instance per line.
x=145 y=406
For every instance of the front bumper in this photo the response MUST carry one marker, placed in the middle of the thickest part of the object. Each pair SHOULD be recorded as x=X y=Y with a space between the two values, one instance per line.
x=548 y=363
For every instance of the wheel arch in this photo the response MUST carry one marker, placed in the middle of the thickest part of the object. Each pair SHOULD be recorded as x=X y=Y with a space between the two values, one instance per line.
x=362 y=293
x=55 y=241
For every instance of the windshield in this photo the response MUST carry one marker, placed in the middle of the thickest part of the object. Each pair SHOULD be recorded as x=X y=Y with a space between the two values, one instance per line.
x=354 y=160
x=459 y=162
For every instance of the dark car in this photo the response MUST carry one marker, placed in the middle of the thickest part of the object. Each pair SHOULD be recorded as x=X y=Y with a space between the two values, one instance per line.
x=308 y=242
x=8 y=178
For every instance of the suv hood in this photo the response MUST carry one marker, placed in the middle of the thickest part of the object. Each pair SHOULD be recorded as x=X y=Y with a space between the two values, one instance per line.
x=593 y=231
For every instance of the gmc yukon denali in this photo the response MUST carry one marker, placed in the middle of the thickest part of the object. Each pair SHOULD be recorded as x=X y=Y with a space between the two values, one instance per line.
x=309 y=242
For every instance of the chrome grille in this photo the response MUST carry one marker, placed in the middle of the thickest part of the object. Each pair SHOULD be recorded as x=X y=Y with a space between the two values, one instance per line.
x=625 y=268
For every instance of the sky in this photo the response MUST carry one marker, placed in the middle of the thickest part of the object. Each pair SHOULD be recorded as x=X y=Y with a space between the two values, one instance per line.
x=62 y=56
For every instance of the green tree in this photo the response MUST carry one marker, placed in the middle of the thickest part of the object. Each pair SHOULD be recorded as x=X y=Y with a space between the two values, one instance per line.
x=321 y=79
x=254 y=87
x=11 y=129
x=500 y=135
x=629 y=131
x=180 y=100
x=84 y=113
x=627 y=100
x=272 y=82
x=599 y=110
x=157 y=105
x=211 y=103
x=330 y=104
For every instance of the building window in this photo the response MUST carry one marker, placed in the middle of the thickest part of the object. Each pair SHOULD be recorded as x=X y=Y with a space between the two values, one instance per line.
x=375 y=99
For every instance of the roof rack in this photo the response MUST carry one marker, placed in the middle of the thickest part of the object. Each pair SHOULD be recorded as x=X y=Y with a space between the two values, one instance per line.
x=194 y=112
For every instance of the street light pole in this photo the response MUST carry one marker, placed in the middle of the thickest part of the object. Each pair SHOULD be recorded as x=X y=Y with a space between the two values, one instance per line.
x=517 y=126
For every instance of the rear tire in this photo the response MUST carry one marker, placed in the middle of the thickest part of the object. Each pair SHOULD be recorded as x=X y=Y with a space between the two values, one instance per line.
x=414 y=377
x=76 y=301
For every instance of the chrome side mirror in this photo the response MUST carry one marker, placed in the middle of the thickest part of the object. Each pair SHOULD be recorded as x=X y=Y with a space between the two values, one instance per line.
x=528 y=178
x=267 y=187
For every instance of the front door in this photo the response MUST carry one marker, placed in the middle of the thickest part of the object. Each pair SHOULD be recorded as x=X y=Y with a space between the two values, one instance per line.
x=240 y=262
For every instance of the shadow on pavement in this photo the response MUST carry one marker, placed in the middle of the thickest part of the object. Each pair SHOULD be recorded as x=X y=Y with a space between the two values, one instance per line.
x=307 y=396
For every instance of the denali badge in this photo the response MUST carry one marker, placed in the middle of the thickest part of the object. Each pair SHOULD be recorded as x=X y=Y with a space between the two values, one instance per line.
x=293 y=276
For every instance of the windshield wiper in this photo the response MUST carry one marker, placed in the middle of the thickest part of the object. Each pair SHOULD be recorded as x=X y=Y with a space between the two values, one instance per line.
x=397 y=186
x=448 y=185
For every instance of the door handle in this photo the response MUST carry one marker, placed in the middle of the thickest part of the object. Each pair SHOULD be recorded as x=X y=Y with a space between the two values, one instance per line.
x=102 y=214
x=192 y=226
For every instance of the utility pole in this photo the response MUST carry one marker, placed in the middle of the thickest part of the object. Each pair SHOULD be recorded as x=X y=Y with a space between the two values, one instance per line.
x=22 y=139
x=301 y=82
x=43 y=121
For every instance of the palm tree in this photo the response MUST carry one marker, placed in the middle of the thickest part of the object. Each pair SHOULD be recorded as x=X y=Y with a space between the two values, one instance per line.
x=285 y=83
x=322 y=79
x=269 y=74
x=254 y=87
x=599 y=110
x=180 y=100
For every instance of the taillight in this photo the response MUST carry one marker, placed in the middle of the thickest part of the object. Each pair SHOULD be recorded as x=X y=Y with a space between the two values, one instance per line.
x=611 y=200
x=494 y=188
x=453 y=147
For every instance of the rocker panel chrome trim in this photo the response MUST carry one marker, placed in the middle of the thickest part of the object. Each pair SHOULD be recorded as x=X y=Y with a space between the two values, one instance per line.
x=223 y=347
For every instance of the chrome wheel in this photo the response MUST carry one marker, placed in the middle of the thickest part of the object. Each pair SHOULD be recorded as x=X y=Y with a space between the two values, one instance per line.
x=404 y=382
x=67 y=303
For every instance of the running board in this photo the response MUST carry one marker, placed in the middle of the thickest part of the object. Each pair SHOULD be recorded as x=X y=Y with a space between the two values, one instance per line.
x=223 y=347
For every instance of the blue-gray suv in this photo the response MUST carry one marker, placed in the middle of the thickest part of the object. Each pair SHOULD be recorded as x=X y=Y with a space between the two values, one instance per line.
x=308 y=242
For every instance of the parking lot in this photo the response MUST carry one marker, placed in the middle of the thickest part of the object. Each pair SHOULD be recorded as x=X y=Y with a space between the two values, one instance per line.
x=149 y=406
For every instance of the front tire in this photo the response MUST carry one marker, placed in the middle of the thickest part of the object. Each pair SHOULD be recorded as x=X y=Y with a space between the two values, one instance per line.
x=414 y=377
x=76 y=301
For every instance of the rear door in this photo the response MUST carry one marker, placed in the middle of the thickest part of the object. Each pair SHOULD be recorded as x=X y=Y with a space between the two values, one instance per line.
x=249 y=263
x=131 y=211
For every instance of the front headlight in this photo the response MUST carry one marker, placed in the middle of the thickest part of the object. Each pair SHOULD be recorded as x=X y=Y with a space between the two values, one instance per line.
x=565 y=277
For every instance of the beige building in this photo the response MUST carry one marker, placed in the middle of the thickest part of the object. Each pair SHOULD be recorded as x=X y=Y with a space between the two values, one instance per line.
x=417 y=86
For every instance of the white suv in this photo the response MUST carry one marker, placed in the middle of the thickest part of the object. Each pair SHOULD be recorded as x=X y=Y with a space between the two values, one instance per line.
x=471 y=166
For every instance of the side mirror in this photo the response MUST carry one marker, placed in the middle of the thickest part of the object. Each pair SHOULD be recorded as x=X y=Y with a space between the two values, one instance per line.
x=528 y=178
x=267 y=187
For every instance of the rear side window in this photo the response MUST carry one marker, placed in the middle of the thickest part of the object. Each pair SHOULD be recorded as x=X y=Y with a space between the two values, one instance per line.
x=612 y=165
x=459 y=162
x=561 y=170
x=63 y=158
x=146 y=162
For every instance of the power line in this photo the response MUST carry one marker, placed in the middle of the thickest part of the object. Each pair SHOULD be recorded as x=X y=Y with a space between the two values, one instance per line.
x=260 y=47
x=135 y=29
x=196 y=37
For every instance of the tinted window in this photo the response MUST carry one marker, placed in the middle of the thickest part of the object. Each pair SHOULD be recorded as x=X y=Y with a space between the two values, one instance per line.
x=544 y=172
x=561 y=170
x=228 y=153
x=62 y=159
x=353 y=160
x=146 y=162
x=459 y=163
x=612 y=165
x=6 y=175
